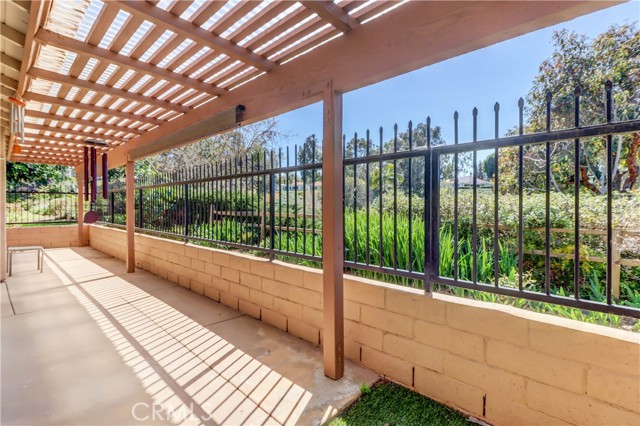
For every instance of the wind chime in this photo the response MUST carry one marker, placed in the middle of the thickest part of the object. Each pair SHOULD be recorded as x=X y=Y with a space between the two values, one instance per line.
x=16 y=122
x=91 y=178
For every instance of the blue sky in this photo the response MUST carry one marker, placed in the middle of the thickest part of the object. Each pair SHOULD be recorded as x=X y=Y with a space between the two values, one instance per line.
x=502 y=73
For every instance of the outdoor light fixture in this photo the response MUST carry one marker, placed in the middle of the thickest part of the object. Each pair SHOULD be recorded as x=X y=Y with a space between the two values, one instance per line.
x=218 y=123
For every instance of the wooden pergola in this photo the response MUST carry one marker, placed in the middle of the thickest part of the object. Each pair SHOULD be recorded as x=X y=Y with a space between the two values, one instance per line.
x=146 y=76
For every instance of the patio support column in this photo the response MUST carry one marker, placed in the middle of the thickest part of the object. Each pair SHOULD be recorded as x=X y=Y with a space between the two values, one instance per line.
x=131 y=216
x=3 y=210
x=332 y=237
x=80 y=206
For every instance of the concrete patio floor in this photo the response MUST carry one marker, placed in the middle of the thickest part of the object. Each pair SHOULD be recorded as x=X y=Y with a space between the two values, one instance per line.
x=86 y=343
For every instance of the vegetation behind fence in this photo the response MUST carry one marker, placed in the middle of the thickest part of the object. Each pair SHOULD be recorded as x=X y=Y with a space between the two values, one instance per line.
x=37 y=207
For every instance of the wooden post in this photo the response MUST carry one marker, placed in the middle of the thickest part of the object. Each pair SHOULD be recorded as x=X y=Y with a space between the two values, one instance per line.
x=332 y=238
x=80 y=206
x=130 y=194
x=3 y=209
x=615 y=267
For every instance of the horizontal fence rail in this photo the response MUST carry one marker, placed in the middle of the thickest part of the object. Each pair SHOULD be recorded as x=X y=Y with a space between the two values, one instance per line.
x=425 y=213
x=33 y=207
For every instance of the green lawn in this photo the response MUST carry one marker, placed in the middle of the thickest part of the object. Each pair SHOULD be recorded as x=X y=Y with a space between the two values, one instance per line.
x=393 y=405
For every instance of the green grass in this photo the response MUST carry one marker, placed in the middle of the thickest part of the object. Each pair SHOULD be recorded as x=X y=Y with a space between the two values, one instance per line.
x=392 y=405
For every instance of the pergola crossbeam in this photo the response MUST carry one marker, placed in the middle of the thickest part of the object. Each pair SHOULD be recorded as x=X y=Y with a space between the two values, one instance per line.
x=333 y=14
x=12 y=35
x=81 y=122
x=45 y=138
x=67 y=43
x=107 y=90
x=11 y=62
x=52 y=100
x=194 y=32
x=23 y=4
x=87 y=135
x=9 y=82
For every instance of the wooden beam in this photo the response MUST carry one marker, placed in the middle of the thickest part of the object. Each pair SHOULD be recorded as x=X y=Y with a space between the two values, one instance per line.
x=80 y=205
x=51 y=138
x=71 y=148
x=5 y=91
x=332 y=241
x=37 y=97
x=37 y=11
x=82 y=122
x=9 y=82
x=107 y=90
x=12 y=35
x=67 y=43
x=194 y=32
x=62 y=156
x=23 y=4
x=3 y=204
x=44 y=161
x=223 y=121
x=410 y=37
x=130 y=206
x=10 y=62
x=333 y=14
x=87 y=135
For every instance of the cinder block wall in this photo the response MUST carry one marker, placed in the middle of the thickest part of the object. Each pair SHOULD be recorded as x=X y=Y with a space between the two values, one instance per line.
x=504 y=365
x=46 y=236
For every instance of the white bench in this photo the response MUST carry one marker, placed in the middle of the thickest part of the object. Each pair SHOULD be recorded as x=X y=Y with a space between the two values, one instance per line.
x=18 y=249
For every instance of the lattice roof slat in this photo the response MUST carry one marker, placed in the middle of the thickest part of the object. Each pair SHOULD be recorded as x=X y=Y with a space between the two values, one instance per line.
x=179 y=7
x=265 y=15
x=105 y=20
x=234 y=15
x=205 y=12
x=125 y=34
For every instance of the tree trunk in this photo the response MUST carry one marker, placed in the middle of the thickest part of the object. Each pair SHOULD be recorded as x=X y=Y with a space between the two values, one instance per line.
x=585 y=181
x=632 y=162
x=616 y=161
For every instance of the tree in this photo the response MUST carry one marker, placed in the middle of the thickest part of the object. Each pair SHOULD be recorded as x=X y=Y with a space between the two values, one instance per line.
x=239 y=144
x=37 y=175
x=578 y=62
x=310 y=152
x=488 y=166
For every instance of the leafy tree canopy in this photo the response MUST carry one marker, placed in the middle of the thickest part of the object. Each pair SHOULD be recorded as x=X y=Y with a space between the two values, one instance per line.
x=578 y=62
x=39 y=175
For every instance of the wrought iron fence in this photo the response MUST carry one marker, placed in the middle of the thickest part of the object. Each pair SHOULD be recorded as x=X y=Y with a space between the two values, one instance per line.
x=267 y=202
x=422 y=213
x=32 y=207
